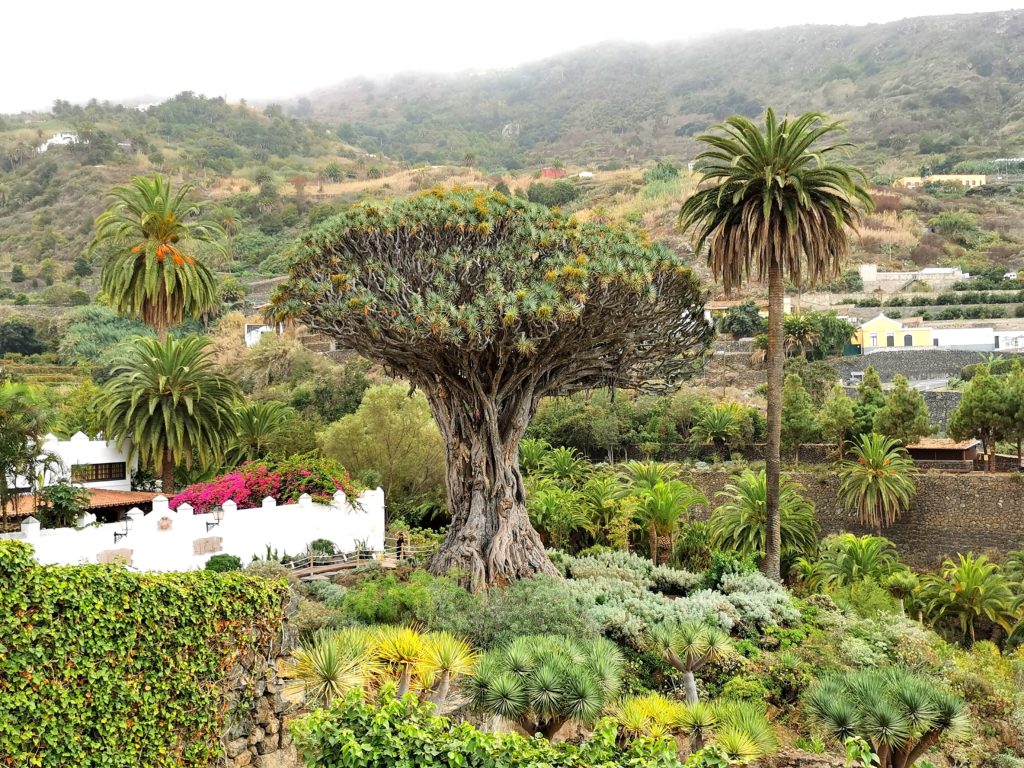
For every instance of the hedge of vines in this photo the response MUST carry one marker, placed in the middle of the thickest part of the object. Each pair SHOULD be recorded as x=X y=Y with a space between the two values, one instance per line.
x=100 y=666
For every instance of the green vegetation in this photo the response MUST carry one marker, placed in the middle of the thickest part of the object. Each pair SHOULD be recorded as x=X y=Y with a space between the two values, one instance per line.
x=84 y=679
x=877 y=480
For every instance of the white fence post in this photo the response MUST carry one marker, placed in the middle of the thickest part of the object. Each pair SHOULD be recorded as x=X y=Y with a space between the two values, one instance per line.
x=269 y=502
x=160 y=505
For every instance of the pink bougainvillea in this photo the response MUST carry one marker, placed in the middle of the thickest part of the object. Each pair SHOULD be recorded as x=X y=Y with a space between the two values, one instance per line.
x=284 y=480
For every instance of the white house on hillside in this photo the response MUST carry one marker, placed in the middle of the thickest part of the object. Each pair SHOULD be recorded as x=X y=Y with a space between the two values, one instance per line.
x=61 y=139
x=91 y=463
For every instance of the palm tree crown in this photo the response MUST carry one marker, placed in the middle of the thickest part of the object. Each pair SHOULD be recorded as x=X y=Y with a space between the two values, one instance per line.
x=877 y=481
x=150 y=275
x=774 y=205
x=168 y=399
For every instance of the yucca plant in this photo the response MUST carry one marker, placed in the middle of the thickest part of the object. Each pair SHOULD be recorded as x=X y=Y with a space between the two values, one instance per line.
x=403 y=651
x=967 y=590
x=334 y=663
x=740 y=523
x=697 y=721
x=662 y=507
x=900 y=714
x=446 y=658
x=744 y=731
x=877 y=481
x=688 y=646
x=543 y=682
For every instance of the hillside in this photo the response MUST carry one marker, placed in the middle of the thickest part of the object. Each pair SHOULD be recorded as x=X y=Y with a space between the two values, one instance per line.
x=935 y=90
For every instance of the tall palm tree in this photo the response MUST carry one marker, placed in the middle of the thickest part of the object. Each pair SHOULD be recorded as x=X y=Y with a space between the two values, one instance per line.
x=774 y=205
x=169 y=400
x=151 y=274
x=877 y=481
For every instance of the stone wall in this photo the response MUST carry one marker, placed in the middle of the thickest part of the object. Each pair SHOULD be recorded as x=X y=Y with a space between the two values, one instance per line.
x=951 y=513
x=914 y=364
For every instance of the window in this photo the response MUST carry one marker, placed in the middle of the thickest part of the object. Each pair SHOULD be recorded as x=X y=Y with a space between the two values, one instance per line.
x=890 y=340
x=935 y=342
x=874 y=339
x=95 y=473
x=908 y=340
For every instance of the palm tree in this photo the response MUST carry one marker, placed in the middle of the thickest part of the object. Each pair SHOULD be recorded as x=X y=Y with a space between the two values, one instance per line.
x=22 y=424
x=967 y=590
x=720 y=425
x=661 y=509
x=647 y=474
x=740 y=523
x=151 y=275
x=258 y=425
x=776 y=206
x=877 y=481
x=556 y=513
x=847 y=559
x=801 y=332
x=565 y=464
x=169 y=400
x=688 y=647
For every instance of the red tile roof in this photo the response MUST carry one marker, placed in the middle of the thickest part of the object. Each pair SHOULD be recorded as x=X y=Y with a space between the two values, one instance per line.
x=944 y=443
x=101 y=497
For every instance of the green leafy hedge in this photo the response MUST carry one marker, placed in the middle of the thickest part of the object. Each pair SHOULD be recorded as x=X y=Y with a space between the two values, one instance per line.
x=100 y=666
x=355 y=734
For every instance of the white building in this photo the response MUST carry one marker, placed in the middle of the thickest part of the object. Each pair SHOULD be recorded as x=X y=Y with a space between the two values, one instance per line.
x=61 y=139
x=254 y=332
x=936 y=278
x=91 y=463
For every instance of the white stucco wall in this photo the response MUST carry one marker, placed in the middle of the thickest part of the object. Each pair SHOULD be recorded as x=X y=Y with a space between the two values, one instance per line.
x=965 y=338
x=245 y=533
x=81 y=450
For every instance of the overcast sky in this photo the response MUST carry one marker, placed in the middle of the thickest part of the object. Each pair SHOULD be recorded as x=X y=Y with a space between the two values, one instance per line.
x=277 y=49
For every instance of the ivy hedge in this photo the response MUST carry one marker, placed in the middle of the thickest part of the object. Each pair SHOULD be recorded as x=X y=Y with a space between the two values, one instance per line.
x=100 y=666
x=357 y=734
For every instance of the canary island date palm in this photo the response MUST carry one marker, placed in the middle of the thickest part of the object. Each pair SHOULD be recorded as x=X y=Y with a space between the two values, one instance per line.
x=877 y=481
x=168 y=399
x=774 y=205
x=258 y=425
x=488 y=304
x=152 y=273
x=966 y=591
x=900 y=714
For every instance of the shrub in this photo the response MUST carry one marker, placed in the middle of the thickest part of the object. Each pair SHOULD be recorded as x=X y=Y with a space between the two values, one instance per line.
x=85 y=675
x=358 y=734
x=331 y=595
x=223 y=563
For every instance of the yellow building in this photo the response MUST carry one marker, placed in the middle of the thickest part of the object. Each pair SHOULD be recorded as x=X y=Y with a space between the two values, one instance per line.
x=966 y=179
x=882 y=332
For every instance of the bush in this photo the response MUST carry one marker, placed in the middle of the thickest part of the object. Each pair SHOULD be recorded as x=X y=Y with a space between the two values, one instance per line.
x=331 y=595
x=357 y=734
x=101 y=665
x=553 y=195
x=223 y=563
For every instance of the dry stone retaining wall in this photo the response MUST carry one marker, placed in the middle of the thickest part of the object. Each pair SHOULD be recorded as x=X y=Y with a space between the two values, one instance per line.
x=951 y=513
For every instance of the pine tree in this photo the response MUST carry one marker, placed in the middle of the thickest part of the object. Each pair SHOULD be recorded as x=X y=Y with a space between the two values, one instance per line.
x=798 y=422
x=870 y=399
x=905 y=415
x=837 y=419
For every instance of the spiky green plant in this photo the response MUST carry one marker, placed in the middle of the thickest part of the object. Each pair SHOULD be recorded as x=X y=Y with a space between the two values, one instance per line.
x=543 y=682
x=697 y=722
x=662 y=507
x=647 y=474
x=740 y=523
x=531 y=454
x=334 y=663
x=877 y=481
x=403 y=650
x=170 y=401
x=556 y=513
x=775 y=204
x=446 y=658
x=744 y=731
x=257 y=426
x=601 y=497
x=967 y=590
x=565 y=464
x=151 y=274
x=847 y=559
x=688 y=647
x=652 y=715
x=721 y=425
x=899 y=713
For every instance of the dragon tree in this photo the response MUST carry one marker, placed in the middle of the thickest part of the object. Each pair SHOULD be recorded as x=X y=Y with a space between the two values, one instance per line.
x=487 y=304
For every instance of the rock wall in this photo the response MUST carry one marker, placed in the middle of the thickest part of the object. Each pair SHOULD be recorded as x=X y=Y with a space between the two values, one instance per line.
x=951 y=513
x=914 y=364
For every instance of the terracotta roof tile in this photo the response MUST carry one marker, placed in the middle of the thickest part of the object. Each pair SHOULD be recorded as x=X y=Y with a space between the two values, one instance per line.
x=101 y=497
x=944 y=442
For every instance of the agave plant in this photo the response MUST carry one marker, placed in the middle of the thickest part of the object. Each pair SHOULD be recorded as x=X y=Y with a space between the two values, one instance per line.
x=662 y=507
x=739 y=524
x=542 y=682
x=334 y=663
x=899 y=713
x=968 y=590
x=688 y=646
x=877 y=482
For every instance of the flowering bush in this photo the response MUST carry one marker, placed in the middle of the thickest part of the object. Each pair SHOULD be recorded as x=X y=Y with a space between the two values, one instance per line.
x=284 y=480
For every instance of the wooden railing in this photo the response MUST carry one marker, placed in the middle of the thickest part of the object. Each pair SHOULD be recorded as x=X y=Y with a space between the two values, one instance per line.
x=318 y=564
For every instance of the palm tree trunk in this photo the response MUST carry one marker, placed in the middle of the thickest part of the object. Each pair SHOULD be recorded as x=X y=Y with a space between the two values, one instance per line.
x=690 y=686
x=771 y=564
x=167 y=473
x=652 y=537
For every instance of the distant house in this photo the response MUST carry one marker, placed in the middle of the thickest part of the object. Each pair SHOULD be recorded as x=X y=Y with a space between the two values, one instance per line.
x=883 y=332
x=966 y=179
x=61 y=139
x=945 y=454
x=585 y=175
x=91 y=463
x=552 y=172
x=937 y=278
x=254 y=332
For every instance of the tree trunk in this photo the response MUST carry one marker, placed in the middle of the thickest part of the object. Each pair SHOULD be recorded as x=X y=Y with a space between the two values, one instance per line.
x=771 y=564
x=167 y=473
x=490 y=540
x=652 y=538
x=690 y=686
